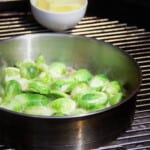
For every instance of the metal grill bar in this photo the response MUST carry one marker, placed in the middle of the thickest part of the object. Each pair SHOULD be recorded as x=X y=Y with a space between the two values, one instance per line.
x=131 y=39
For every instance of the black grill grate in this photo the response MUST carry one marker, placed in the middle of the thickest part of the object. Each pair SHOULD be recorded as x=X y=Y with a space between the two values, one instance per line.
x=135 y=41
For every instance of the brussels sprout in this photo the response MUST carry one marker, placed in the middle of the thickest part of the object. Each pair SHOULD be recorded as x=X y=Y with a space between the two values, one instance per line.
x=11 y=73
x=80 y=89
x=23 y=83
x=23 y=100
x=98 y=81
x=17 y=104
x=38 y=87
x=38 y=110
x=79 y=111
x=40 y=62
x=57 y=69
x=82 y=75
x=28 y=70
x=54 y=94
x=12 y=105
x=63 y=105
x=45 y=78
x=36 y=99
x=92 y=100
x=64 y=85
x=112 y=88
x=12 y=89
x=116 y=98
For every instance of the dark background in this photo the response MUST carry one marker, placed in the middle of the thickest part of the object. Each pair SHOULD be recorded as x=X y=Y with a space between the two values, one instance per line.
x=133 y=12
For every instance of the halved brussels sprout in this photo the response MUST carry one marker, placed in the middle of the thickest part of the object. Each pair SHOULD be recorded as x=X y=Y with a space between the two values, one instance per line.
x=38 y=87
x=79 y=111
x=12 y=88
x=92 y=100
x=82 y=75
x=54 y=94
x=64 y=85
x=45 y=77
x=112 y=88
x=98 y=81
x=36 y=99
x=57 y=70
x=17 y=104
x=11 y=73
x=38 y=110
x=28 y=70
x=40 y=63
x=23 y=100
x=12 y=105
x=23 y=83
x=80 y=89
x=63 y=105
x=116 y=98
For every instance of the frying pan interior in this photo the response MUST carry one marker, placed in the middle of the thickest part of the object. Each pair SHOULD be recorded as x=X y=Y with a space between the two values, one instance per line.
x=76 y=52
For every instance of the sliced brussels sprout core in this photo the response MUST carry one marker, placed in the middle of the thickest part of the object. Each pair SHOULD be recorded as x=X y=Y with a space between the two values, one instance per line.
x=36 y=88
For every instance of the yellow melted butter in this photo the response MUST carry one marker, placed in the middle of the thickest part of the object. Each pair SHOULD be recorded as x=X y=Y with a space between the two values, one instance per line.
x=43 y=4
x=56 y=6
